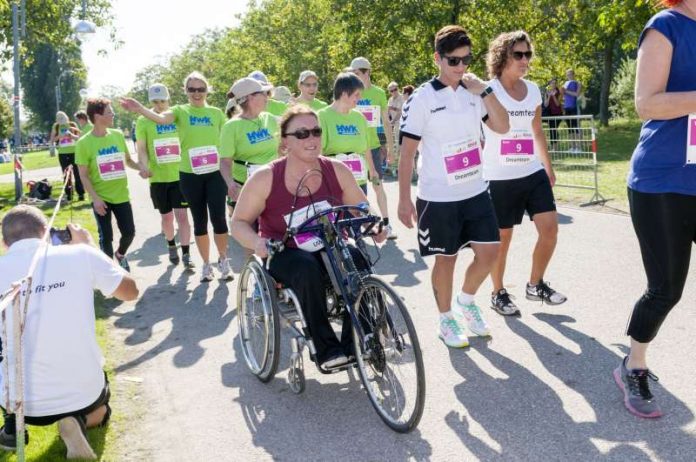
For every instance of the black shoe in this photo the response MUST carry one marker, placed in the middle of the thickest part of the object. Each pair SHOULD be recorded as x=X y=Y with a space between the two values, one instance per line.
x=544 y=293
x=81 y=197
x=502 y=304
x=8 y=441
x=173 y=255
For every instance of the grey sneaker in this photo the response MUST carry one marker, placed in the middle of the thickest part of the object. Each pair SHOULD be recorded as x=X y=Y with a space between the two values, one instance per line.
x=207 y=273
x=225 y=269
x=8 y=441
x=635 y=386
x=502 y=304
x=544 y=293
x=73 y=433
x=188 y=263
x=173 y=255
x=123 y=262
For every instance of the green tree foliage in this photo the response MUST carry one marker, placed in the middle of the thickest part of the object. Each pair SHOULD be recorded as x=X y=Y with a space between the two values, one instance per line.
x=6 y=119
x=621 y=100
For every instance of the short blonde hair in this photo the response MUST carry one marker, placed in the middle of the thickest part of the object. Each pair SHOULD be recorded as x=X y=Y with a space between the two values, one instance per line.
x=195 y=75
x=62 y=118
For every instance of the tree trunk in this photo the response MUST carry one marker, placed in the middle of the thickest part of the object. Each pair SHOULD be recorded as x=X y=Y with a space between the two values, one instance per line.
x=456 y=7
x=607 y=76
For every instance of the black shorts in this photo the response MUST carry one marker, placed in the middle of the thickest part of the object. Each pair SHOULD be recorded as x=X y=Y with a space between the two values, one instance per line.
x=531 y=194
x=446 y=227
x=167 y=196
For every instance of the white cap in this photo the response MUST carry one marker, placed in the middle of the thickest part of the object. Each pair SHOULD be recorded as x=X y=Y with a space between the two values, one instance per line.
x=158 y=92
x=282 y=94
x=304 y=75
x=360 y=63
x=245 y=87
x=230 y=104
x=259 y=76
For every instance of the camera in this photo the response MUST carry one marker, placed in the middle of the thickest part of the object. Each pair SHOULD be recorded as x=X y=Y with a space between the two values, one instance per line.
x=60 y=236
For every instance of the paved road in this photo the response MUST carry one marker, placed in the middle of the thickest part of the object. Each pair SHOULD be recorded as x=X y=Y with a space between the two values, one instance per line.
x=541 y=389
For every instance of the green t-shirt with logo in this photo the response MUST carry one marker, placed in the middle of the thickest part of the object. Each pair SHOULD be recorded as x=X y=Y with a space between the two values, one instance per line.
x=65 y=142
x=275 y=107
x=253 y=141
x=163 y=150
x=104 y=157
x=315 y=105
x=374 y=96
x=198 y=128
x=343 y=133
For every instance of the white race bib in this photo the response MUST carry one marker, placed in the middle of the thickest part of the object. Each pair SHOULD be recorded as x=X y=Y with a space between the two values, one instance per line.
x=462 y=161
x=66 y=141
x=691 y=141
x=355 y=164
x=373 y=115
x=167 y=150
x=251 y=168
x=308 y=241
x=204 y=159
x=517 y=147
x=112 y=166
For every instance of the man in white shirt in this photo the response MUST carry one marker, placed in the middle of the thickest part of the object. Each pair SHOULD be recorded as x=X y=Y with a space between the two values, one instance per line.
x=442 y=119
x=64 y=381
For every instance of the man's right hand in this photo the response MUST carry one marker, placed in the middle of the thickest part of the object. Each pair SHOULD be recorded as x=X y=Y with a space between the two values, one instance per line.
x=99 y=206
x=79 y=235
x=407 y=213
x=260 y=248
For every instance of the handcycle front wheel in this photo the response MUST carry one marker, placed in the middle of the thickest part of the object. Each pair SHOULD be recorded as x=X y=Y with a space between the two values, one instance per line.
x=259 y=324
x=388 y=356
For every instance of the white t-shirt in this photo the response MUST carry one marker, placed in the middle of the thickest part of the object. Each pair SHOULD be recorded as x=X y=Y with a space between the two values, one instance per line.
x=62 y=361
x=448 y=125
x=514 y=154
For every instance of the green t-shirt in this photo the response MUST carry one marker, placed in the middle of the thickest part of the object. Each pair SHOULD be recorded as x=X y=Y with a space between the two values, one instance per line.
x=163 y=149
x=104 y=157
x=343 y=134
x=372 y=103
x=253 y=141
x=199 y=134
x=315 y=105
x=86 y=128
x=65 y=142
x=275 y=107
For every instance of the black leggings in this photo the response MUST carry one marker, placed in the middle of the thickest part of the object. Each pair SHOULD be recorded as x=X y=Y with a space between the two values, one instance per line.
x=124 y=220
x=205 y=193
x=305 y=273
x=65 y=161
x=553 y=130
x=666 y=228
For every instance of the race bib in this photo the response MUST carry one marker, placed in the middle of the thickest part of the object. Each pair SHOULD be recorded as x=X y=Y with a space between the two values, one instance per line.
x=691 y=141
x=517 y=147
x=251 y=168
x=462 y=161
x=307 y=241
x=111 y=166
x=167 y=150
x=204 y=159
x=66 y=141
x=373 y=115
x=355 y=164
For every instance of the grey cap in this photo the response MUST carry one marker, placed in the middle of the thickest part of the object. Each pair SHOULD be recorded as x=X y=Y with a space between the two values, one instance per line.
x=158 y=92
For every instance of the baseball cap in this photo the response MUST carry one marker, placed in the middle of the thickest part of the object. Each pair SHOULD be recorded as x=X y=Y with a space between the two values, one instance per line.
x=245 y=87
x=230 y=104
x=259 y=76
x=360 y=63
x=158 y=91
x=304 y=75
x=282 y=94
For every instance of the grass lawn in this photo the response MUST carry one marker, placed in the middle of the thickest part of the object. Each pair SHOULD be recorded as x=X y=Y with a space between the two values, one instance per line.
x=44 y=442
x=32 y=161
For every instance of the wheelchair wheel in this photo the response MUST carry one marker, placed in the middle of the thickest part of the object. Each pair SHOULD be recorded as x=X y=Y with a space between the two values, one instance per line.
x=388 y=356
x=259 y=324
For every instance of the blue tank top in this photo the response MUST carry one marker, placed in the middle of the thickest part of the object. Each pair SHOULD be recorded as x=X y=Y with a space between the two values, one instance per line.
x=570 y=101
x=659 y=164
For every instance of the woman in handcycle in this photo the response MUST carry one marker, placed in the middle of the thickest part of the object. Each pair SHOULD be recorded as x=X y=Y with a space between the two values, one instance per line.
x=299 y=184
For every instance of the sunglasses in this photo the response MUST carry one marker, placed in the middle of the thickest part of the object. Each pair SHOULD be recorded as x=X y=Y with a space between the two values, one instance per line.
x=392 y=90
x=303 y=133
x=197 y=89
x=455 y=60
x=315 y=84
x=518 y=55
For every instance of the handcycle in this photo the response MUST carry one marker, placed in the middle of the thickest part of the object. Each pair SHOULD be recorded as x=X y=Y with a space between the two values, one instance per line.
x=387 y=354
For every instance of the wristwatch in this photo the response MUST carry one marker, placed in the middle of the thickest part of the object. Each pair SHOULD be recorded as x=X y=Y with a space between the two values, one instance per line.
x=486 y=92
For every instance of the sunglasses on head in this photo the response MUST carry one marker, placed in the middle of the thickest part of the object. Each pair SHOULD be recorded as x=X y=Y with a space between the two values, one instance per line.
x=303 y=133
x=455 y=60
x=196 y=89
x=518 y=55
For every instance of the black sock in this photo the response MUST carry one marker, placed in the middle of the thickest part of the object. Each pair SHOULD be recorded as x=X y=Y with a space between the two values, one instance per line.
x=385 y=221
x=172 y=243
x=185 y=249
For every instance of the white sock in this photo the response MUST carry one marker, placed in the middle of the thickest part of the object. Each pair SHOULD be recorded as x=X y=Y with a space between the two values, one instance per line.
x=465 y=299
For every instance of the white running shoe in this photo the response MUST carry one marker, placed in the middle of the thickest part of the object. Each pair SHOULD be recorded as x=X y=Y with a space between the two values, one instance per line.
x=451 y=333
x=207 y=273
x=391 y=234
x=225 y=268
x=473 y=317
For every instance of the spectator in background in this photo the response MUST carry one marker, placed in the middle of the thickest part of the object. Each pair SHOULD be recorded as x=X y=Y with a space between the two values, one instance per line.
x=64 y=134
x=571 y=91
x=552 y=108
x=83 y=122
x=394 y=104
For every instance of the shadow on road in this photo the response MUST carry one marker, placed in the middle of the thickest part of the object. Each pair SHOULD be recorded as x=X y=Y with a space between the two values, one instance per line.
x=393 y=261
x=150 y=252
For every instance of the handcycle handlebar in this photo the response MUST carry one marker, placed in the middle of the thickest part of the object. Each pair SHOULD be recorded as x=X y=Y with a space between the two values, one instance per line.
x=310 y=225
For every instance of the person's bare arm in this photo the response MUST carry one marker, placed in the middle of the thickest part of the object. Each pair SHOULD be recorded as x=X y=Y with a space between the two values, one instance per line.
x=407 y=211
x=132 y=105
x=143 y=159
x=97 y=202
x=542 y=146
x=498 y=119
x=251 y=203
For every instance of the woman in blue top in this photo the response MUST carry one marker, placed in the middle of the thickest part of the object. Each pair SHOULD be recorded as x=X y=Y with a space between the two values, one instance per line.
x=662 y=185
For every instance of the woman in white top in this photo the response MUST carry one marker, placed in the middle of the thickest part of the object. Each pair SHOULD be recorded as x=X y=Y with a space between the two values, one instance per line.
x=518 y=167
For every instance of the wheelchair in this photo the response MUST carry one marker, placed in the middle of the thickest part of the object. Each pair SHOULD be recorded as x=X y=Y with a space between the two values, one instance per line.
x=387 y=354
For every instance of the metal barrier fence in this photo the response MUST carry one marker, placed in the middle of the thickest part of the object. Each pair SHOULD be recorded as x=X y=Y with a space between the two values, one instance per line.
x=572 y=142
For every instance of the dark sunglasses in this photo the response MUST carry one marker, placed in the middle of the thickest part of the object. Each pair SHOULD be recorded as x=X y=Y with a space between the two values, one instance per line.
x=303 y=133
x=518 y=55
x=197 y=89
x=392 y=90
x=455 y=60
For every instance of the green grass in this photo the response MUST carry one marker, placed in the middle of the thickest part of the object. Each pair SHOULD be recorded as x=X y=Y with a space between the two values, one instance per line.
x=45 y=444
x=32 y=161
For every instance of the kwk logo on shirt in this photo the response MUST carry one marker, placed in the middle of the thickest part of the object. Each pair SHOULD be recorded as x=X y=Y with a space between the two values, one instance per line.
x=258 y=136
x=166 y=128
x=110 y=150
x=200 y=121
x=347 y=130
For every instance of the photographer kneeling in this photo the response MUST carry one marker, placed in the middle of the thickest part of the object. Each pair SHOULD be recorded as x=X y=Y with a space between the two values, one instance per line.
x=63 y=377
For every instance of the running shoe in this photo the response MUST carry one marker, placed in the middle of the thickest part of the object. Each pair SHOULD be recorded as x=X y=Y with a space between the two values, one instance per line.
x=73 y=432
x=8 y=441
x=391 y=234
x=188 y=263
x=636 y=389
x=173 y=255
x=471 y=314
x=207 y=273
x=123 y=262
x=336 y=360
x=500 y=302
x=225 y=269
x=544 y=293
x=451 y=333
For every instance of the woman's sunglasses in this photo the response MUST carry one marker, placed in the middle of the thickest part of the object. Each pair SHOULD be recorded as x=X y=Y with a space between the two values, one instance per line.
x=455 y=60
x=196 y=89
x=303 y=133
x=518 y=55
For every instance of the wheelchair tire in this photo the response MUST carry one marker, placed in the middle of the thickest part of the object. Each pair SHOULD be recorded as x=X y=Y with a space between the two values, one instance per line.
x=391 y=342
x=259 y=323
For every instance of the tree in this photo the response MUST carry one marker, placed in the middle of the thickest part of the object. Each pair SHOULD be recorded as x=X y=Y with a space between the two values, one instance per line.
x=6 y=119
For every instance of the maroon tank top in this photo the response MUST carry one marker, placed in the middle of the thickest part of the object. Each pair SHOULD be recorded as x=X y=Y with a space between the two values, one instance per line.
x=279 y=204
